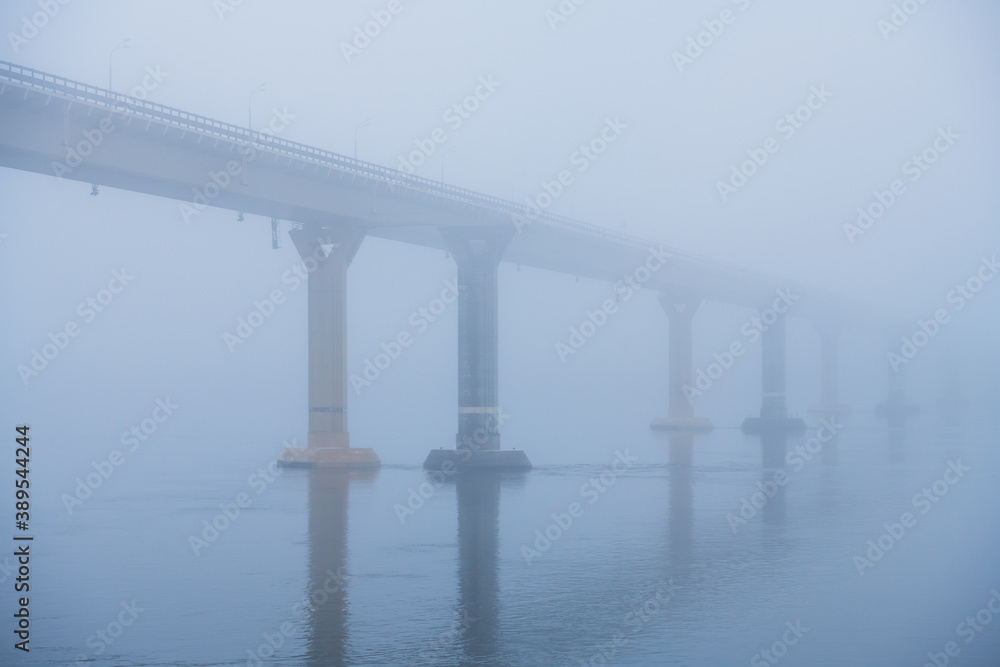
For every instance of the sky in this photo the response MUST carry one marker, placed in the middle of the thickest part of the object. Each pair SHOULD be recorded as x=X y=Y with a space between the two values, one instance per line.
x=880 y=96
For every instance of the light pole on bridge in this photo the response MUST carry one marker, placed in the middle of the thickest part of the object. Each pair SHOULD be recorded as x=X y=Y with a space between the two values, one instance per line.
x=124 y=44
x=443 y=156
x=365 y=123
x=256 y=90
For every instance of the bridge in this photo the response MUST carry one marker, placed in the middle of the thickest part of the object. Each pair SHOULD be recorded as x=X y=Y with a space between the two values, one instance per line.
x=55 y=126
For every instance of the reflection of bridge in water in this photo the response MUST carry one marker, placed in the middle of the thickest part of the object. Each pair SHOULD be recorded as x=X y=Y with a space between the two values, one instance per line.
x=477 y=637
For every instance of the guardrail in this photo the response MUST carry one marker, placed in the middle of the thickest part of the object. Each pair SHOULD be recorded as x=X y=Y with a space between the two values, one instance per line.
x=57 y=85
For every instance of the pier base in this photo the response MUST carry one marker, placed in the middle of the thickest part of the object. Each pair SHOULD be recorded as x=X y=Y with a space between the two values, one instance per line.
x=329 y=457
x=447 y=460
x=682 y=424
x=772 y=425
x=834 y=409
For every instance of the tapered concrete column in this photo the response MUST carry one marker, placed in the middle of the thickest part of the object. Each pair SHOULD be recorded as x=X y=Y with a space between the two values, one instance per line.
x=773 y=371
x=680 y=411
x=326 y=255
x=773 y=413
x=477 y=252
x=896 y=404
x=829 y=335
x=477 y=260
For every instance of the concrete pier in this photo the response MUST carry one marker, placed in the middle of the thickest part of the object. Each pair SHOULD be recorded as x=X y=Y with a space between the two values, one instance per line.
x=680 y=412
x=829 y=335
x=477 y=252
x=773 y=413
x=896 y=404
x=326 y=253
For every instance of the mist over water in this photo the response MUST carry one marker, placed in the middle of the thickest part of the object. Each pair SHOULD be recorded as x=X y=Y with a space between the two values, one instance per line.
x=802 y=192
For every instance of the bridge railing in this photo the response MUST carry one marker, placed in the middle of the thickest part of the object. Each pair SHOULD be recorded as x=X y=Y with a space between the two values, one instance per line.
x=52 y=84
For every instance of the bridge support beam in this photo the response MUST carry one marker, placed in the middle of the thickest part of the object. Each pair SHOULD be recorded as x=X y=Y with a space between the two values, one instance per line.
x=680 y=411
x=327 y=254
x=829 y=361
x=773 y=413
x=477 y=254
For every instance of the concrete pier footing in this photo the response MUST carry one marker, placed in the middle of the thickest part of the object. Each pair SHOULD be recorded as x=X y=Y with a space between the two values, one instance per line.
x=693 y=424
x=458 y=460
x=329 y=457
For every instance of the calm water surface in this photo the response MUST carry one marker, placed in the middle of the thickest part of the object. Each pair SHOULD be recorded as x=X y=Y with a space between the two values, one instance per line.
x=649 y=571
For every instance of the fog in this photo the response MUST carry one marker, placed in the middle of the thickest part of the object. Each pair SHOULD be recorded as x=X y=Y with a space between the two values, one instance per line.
x=550 y=77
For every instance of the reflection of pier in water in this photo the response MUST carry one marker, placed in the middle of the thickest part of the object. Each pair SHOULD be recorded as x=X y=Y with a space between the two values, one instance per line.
x=681 y=496
x=476 y=637
x=327 y=638
x=774 y=446
x=477 y=612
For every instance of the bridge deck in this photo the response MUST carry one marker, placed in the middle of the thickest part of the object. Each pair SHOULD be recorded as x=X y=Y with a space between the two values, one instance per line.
x=160 y=150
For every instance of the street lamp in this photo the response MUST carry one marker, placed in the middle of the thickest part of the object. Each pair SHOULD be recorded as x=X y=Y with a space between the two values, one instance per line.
x=443 y=156
x=365 y=123
x=122 y=45
x=256 y=90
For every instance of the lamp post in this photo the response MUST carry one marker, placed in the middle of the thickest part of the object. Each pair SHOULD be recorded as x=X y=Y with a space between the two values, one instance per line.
x=365 y=123
x=123 y=45
x=256 y=90
x=443 y=156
